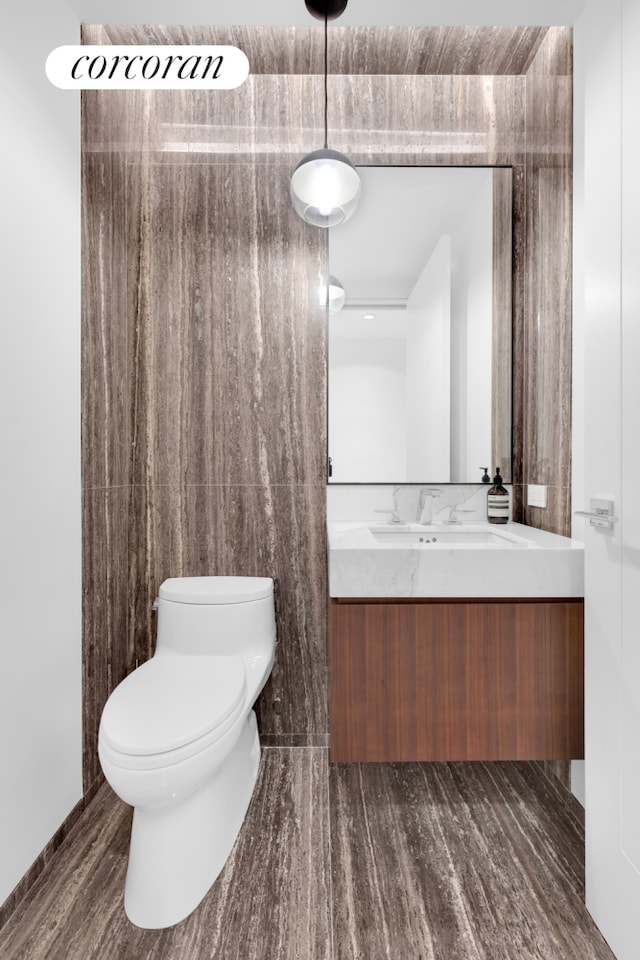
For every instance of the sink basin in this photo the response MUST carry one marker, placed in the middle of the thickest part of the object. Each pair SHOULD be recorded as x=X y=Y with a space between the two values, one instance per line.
x=434 y=536
x=478 y=559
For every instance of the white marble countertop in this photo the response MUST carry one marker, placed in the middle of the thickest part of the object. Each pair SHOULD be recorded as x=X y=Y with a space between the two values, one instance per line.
x=521 y=561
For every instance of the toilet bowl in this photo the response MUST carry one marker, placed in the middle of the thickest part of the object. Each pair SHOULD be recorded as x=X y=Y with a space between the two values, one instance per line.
x=178 y=739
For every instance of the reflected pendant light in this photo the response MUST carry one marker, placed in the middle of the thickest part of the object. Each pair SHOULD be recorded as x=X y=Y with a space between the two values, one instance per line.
x=332 y=295
x=325 y=185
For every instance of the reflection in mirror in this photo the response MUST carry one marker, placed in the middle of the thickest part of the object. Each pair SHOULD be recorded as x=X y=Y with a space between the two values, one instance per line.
x=420 y=353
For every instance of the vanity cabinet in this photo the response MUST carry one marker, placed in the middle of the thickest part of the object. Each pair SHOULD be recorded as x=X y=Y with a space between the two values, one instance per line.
x=456 y=679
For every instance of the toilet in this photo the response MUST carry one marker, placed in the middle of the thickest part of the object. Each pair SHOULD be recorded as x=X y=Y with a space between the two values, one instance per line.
x=178 y=739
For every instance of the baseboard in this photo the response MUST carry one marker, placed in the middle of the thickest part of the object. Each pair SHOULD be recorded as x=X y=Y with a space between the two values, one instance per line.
x=558 y=771
x=558 y=774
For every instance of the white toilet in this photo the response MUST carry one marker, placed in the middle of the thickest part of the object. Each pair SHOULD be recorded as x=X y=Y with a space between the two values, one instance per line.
x=178 y=739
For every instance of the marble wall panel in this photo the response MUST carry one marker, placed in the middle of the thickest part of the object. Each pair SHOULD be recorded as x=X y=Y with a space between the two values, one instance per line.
x=230 y=332
x=558 y=772
x=108 y=654
x=375 y=119
x=520 y=267
x=95 y=33
x=229 y=380
x=502 y=321
x=458 y=121
x=277 y=119
x=547 y=343
x=106 y=437
x=206 y=322
x=413 y=51
x=268 y=118
x=105 y=407
x=245 y=530
x=436 y=51
x=546 y=332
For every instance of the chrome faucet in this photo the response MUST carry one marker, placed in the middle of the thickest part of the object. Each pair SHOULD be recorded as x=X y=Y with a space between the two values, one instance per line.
x=453 y=514
x=425 y=493
x=395 y=516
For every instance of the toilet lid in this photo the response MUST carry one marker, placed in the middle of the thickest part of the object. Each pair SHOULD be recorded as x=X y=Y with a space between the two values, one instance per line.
x=171 y=701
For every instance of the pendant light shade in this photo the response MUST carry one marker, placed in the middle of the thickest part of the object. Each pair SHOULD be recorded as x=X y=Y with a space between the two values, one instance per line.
x=325 y=188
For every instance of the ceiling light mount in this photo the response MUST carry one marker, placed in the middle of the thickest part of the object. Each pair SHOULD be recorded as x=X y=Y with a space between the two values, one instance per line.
x=331 y=9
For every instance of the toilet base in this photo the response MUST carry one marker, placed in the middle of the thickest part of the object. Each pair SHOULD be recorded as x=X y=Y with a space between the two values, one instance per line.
x=177 y=851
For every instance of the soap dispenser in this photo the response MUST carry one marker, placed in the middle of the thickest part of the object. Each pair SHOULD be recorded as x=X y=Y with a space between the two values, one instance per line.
x=497 y=501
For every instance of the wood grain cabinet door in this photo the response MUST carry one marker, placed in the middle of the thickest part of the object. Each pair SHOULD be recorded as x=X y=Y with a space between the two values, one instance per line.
x=457 y=680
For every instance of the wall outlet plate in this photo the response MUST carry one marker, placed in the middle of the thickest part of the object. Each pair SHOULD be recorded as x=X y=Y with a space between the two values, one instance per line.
x=536 y=495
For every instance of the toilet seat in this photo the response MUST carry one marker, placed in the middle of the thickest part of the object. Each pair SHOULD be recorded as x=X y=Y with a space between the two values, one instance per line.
x=171 y=708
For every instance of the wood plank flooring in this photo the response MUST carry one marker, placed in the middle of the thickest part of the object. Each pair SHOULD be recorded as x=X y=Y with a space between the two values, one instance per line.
x=434 y=861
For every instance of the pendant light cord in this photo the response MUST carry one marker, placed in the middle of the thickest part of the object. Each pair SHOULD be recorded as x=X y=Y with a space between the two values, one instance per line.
x=326 y=98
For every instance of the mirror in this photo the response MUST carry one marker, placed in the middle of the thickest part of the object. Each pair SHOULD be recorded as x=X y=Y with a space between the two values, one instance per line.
x=419 y=376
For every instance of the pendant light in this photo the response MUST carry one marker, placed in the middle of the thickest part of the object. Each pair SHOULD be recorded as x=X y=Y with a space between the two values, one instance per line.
x=325 y=185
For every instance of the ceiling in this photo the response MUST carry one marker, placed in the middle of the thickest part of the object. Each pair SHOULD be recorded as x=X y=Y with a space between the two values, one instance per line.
x=380 y=252
x=378 y=12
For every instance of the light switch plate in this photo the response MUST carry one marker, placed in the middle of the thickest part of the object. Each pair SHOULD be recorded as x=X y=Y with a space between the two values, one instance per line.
x=536 y=495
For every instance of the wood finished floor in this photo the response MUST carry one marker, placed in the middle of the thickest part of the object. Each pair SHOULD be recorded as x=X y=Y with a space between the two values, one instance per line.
x=460 y=861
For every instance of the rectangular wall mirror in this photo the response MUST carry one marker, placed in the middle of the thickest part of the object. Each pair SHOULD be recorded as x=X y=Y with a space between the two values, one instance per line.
x=419 y=373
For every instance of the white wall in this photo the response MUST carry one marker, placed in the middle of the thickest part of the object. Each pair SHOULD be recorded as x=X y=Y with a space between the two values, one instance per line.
x=471 y=334
x=40 y=587
x=630 y=270
x=607 y=409
x=367 y=386
x=428 y=364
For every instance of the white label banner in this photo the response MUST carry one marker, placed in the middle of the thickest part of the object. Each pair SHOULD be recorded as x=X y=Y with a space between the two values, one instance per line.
x=147 y=67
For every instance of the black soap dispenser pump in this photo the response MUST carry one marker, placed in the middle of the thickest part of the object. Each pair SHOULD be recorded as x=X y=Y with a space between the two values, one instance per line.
x=497 y=501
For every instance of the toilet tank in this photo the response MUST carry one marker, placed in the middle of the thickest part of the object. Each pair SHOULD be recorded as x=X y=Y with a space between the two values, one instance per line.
x=229 y=616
